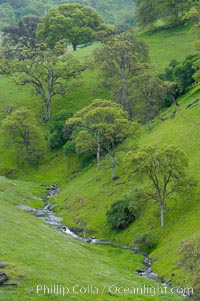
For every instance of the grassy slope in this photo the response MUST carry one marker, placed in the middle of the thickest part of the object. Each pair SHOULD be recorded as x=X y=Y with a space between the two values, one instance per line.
x=84 y=200
x=169 y=44
x=96 y=196
x=79 y=94
x=175 y=43
x=36 y=254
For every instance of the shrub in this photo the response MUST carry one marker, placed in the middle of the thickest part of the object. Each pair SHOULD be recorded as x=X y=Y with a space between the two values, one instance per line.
x=69 y=148
x=57 y=138
x=119 y=216
x=146 y=241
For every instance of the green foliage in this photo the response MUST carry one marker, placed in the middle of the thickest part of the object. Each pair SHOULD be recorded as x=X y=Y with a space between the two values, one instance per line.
x=105 y=125
x=120 y=59
x=146 y=242
x=111 y=10
x=147 y=92
x=56 y=128
x=180 y=77
x=165 y=167
x=7 y=14
x=192 y=16
x=183 y=74
x=137 y=202
x=21 y=129
x=78 y=24
x=47 y=71
x=69 y=148
x=85 y=143
x=123 y=61
x=97 y=196
x=23 y=34
x=119 y=216
x=172 y=12
x=23 y=7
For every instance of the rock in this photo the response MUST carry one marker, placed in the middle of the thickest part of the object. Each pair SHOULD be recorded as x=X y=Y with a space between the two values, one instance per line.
x=39 y=213
x=148 y=270
x=3 y=277
x=52 y=220
x=37 y=199
x=52 y=190
x=139 y=271
x=2 y=265
x=53 y=186
x=21 y=276
x=193 y=103
x=26 y=208
x=168 y=281
x=9 y=109
x=13 y=283
x=115 y=178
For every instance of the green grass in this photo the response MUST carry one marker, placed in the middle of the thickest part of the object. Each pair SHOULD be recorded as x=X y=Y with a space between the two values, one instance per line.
x=83 y=201
x=165 y=45
x=44 y=255
x=37 y=254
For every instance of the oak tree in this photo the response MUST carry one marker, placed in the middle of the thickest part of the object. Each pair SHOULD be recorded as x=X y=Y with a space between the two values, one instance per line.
x=21 y=129
x=46 y=70
x=166 y=169
x=107 y=123
x=120 y=58
x=75 y=23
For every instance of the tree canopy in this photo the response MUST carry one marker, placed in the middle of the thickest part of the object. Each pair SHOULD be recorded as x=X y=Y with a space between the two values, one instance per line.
x=105 y=125
x=120 y=59
x=46 y=71
x=75 y=23
x=23 y=34
x=21 y=129
x=165 y=167
x=148 y=12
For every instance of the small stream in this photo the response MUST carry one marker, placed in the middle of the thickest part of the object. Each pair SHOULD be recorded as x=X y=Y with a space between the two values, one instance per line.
x=47 y=214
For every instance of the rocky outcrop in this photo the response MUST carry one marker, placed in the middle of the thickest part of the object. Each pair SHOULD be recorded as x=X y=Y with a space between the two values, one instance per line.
x=3 y=278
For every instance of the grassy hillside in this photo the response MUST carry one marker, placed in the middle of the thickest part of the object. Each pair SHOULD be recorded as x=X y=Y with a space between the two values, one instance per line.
x=84 y=199
x=165 y=45
x=37 y=254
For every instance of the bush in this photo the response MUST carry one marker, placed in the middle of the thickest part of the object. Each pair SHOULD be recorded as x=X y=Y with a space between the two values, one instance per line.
x=69 y=148
x=119 y=216
x=146 y=241
x=181 y=76
x=57 y=138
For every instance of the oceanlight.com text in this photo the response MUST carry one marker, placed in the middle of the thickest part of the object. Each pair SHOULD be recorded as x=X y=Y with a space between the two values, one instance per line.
x=78 y=289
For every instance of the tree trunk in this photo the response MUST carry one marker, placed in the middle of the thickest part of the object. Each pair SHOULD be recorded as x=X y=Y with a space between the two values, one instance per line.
x=149 y=125
x=162 y=213
x=113 y=161
x=124 y=82
x=98 y=151
x=26 y=145
x=147 y=115
x=49 y=95
x=48 y=110
x=74 y=46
